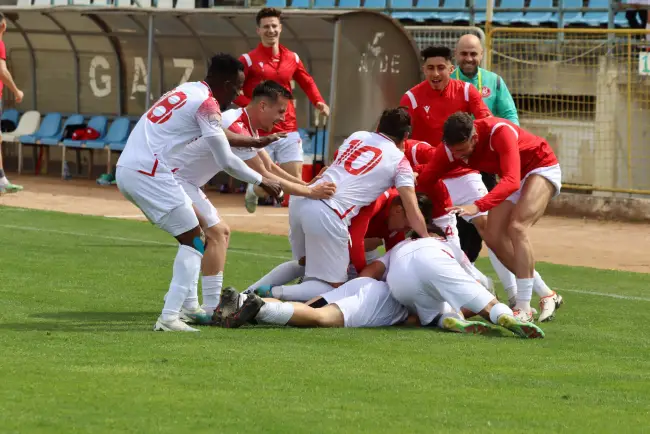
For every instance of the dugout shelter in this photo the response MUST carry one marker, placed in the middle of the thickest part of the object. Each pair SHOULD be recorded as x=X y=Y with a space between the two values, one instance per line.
x=118 y=61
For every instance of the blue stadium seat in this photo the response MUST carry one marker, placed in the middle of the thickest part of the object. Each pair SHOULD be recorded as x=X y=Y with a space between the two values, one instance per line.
x=596 y=19
x=375 y=4
x=450 y=17
x=276 y=3
x=98 y=123
x=9 y=116
x=538 y=18
x=573 y=18
x=426 y=16
x=349 y=4
x=117 y=134
x=327 y=4
x=299 y=3
x=507 y=18
x=480 y=16
x=56 y=139
x=620 y=20
x=403 y=4
x=50 y=127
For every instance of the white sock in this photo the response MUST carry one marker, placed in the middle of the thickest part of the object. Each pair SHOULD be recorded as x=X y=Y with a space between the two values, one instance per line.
x=192 y=300
x=540 y=287
x=280 y=275
x=303 y=292
x=275 y=313
x=498 y=310
x=524 y=293
x=512 y=292
x=505 y=276
x=187 y=267
x=211 y=289
x=4 y=180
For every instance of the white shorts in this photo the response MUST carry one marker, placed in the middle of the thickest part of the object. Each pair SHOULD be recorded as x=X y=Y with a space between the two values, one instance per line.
x=201 y=202
x=429 y=282
x=161 y=198
x=366 y=302
x=552 y=173
x=286 y=150
x=319 y=235
x=466 y=190
x=245 y=153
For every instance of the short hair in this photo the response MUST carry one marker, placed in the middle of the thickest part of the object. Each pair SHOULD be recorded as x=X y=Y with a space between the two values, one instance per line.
x=272 y=90
x=457 y=129
x=224 y=65
x=432 y=229
x=395 y=123
x=436 y=51
x=426 y=206
x=268 y=13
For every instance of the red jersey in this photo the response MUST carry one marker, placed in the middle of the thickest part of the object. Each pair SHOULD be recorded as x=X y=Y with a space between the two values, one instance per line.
x=260 y=64
x=420 y=153
x=3 y=56
x=503 y=149
x=372 y=222
x=429 y=109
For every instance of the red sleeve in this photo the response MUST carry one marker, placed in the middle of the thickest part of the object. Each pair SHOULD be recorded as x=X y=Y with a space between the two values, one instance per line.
x=391 y=242
x=423 y=152
x=307 y=83
x=237 y=129
x=242 y=100
x=358 y=228
x=406 y=102
x=504 y=142
x=438 y=165
x=3 y=51
x=477 y=105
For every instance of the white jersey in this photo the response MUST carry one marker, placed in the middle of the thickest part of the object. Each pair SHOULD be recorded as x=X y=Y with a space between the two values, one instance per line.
x=409 y=245
x=177 y=119
x=195 y=163
x=367 y=165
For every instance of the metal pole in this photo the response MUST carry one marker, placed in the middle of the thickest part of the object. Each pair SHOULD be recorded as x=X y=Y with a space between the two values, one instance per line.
x=338 y=31
x=489 y=12
x=149 y=61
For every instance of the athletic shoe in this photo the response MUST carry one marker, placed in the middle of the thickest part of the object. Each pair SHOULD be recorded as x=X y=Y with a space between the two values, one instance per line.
x=523 y=315
x=264 y=291
x=175 y=325
x=468 y=327
x=548 y=305
x=250 y=199
x=244 y=314
x=195 y=316
x=10 y=188
x=512 y=302
x=526 y=330
x=228 y=304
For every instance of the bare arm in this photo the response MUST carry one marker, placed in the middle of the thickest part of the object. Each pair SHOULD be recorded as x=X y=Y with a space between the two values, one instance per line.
x=7 y=79
x=413 y=213
x=276 y=170
x=375 y=270
x=241 y=141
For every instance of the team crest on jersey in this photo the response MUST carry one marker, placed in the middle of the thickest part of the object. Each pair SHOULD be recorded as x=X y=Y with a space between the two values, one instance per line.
x=426 y=109
x=261 y=65
x=486 y=92
x=215 y=120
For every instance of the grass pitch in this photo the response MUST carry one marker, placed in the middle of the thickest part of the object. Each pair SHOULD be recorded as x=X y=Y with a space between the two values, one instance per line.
x=80 y=295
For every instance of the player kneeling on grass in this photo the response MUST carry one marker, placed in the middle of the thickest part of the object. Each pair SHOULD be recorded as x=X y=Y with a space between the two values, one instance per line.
x=194 y=165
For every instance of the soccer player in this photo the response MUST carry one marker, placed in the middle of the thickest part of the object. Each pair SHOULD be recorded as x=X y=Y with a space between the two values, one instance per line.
x=194 y=165
x=271 y=60
x=530 y=176
x=495 y=93
x=6 y=80
x=368 y=163
x=144 y=177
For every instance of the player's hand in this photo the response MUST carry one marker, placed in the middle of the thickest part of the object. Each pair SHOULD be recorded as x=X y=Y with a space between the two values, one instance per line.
x=272 y=187
x=324 y=190
x=323 y=108
x=267 y=140
x=415 y=177
x=19 y=96
x=464 y=210
x=319 y=176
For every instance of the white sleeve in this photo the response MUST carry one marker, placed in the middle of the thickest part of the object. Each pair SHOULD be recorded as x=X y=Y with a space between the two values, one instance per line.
x=404 y=174
x=385 y=259
x=208 y=116
x=231 y=164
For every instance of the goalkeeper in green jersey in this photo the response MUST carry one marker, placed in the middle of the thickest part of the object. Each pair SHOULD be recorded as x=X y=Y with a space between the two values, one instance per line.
x=495 y=93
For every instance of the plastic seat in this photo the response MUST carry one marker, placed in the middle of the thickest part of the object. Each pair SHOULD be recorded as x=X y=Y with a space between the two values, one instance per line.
x=98 y=123
x=538 y=18
x=324 y=4
x=596 y=19
x=9 y=120
x=55 y=140
x=27 y=125
x=300 y=3
x=276 y=3
x=50 y=127
x=573 y=18
x=115 y=139
x=421 y=16
x=450 y=17
x=349 y=4
x=375 y=4
x=403 y=15
x=507 y=18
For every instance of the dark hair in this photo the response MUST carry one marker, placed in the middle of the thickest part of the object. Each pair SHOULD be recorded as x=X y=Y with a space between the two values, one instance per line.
x=457 y=129
x=431 y=228
x=436 y=51
x=271 y=90
x=395 y=123
x=426 y=206
x=268 y=13
x=224 y=65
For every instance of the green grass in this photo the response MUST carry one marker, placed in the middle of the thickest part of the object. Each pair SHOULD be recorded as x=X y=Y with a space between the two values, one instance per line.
x=79 y=297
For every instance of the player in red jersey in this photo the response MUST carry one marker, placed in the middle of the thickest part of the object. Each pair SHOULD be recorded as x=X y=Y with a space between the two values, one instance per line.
x=530 y=176
x=272 y=61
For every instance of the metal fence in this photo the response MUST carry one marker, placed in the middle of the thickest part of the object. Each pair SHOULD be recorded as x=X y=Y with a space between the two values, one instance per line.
x=588 y=92
x=425 y=36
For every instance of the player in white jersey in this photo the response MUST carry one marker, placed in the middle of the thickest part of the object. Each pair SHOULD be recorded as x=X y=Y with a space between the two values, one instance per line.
x=194 y=165
x=368 y=163
x=145 y=178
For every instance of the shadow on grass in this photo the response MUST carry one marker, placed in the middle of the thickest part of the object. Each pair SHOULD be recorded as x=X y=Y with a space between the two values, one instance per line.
x=86 y=322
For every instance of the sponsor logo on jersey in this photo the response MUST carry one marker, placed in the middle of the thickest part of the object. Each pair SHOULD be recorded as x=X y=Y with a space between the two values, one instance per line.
x=486 y=92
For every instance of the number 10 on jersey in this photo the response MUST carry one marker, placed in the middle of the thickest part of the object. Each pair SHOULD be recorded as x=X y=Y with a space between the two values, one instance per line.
x=354 y=151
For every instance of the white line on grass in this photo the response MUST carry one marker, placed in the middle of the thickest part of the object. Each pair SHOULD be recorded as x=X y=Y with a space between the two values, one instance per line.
x=132 y=240
x=246 y=252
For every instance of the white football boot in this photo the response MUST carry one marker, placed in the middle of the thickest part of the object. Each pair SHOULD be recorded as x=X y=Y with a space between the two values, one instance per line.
x=548 y=305
x=250 y=199
x=176 y=325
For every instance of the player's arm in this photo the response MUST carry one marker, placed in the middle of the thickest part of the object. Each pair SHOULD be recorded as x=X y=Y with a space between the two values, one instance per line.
x=358 y=228
x=476 y=104
x=405 y=184
x=504 y=103
x=307 y=84
x=277 y=170
x=504 y=141
x=243 y=100
x=241 y=141
x=5 y=75
x=440 y=162
x=377 y=269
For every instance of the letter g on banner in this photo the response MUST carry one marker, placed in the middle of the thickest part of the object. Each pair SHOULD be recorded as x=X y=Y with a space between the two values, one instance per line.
x=103 y=88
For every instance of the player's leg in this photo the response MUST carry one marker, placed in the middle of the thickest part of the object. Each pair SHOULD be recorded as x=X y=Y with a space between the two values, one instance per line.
x=289 y=155
x=280 y=275
x=5 y=185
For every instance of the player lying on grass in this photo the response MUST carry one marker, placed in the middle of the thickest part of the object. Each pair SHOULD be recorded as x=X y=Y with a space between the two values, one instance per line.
x=368 y=164
x=422 y=277
x=194 y=165
x=144 y=177
x=530 y=176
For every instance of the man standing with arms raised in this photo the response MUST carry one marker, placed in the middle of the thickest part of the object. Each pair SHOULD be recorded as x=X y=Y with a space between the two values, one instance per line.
x=272 y=61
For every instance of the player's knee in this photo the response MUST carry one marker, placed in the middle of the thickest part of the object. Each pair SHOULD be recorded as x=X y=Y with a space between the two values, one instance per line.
x=330 y=316
x=193 y=238
x=219 y=234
